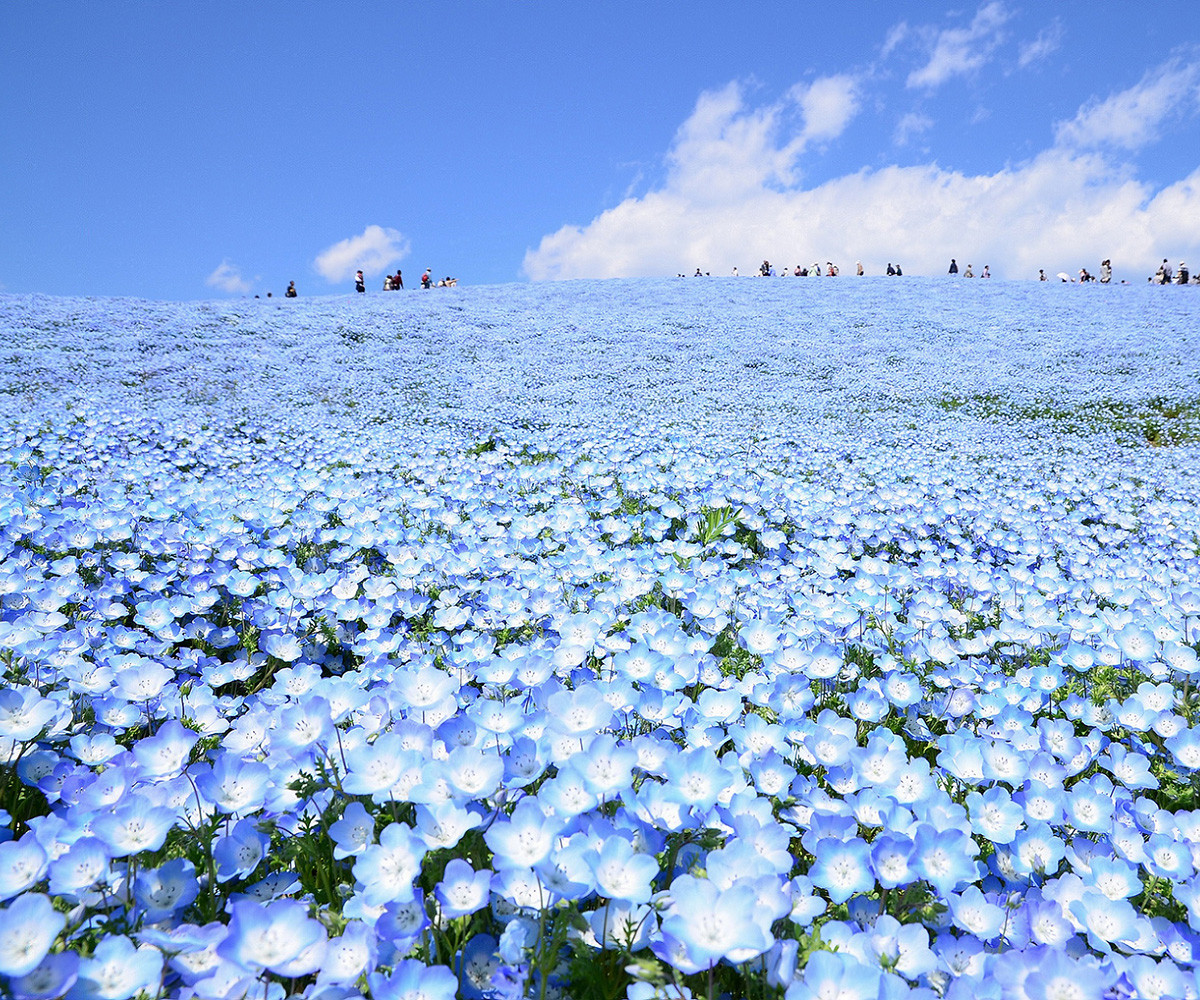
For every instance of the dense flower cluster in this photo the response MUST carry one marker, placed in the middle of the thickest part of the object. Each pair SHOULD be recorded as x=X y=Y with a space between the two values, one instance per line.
x=639 y=639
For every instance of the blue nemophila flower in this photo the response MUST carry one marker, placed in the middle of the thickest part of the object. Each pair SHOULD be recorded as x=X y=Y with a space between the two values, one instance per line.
x=23 y=863
x=1155 y=980
x=473 y=772
x=891 y=860
x=842 y=868
x=234 y=785
x=83 y=865
x=387 y=870
x=569 y=793
x=25 y=712
x=353 y=832
x=1105 y=921
x=943 y=858
x=401 y=923
x=140 y=680
x=1089 y=808
x=348 y=956
x=278 y=937
x=28 y=928
x=444 y=824
x=282 y=646
x=476 y=965
x=709 y=924
x=118 y=970
x=523 y=839
x=161 y=892
x=166 y=752
x=623 y=874
x=1037 y=850
x=829 y=974
x=994 y=814
x=239 y=852
x=975 y=914
x=462 y=889
x=52 y=978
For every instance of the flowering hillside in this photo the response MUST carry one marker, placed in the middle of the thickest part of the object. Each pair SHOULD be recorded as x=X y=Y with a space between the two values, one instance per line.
x=604 y=639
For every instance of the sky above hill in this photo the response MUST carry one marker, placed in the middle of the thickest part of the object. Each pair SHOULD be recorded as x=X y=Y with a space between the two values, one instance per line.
x=210 y=149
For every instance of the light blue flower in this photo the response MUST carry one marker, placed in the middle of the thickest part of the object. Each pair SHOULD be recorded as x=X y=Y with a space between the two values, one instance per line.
x=28 y=928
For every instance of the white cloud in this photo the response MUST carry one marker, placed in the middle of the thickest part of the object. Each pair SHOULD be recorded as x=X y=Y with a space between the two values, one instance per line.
x=959 y=51
x=912 y=124
x=726 y=148
x=229 y=279
x=732 y=198
x=1046 y=43
x=828 y=104
x=373 y=251
x=1131 y=118
x=895 y=36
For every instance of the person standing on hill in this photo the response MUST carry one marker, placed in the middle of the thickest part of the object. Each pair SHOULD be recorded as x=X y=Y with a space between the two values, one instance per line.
x=359 y=284
x=1105 y=271
x=953 y=266
x=291 y=290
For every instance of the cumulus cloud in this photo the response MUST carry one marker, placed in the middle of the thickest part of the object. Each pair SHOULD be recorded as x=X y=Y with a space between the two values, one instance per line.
x=959 y=51
x=227 y=278
x=1132 y=118
x=372 y=251
x=727 y=148
x=828 y=105
x=734 y=196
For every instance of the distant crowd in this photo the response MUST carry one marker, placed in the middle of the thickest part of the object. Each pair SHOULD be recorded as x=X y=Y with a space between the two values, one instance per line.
x=767 y=270
x=1165 y=275
x=391 y=283
x=395 y=282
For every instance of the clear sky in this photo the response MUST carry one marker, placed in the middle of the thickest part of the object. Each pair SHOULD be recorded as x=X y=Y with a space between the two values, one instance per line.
x=204 y=149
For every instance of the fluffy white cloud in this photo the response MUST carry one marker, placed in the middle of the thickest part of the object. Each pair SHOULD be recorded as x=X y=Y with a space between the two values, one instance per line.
x=732 y=198
x=727 y=148
x=228 y=279
x=373 y=251
x=828 y=104
x=1132 y=118
x=957 y=51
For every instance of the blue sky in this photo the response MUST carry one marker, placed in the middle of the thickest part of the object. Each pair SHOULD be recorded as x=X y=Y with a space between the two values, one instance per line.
x=192 y=150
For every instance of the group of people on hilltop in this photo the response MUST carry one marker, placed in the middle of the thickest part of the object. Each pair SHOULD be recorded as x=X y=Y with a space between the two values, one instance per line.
x=395 y=282
x=1166 y=275
x=1085 y=275
x=391 y=283
x=767 y=270
x=969 y=272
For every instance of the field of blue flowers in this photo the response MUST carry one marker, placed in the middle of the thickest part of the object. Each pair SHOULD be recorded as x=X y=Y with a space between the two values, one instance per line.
x=600 y=640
